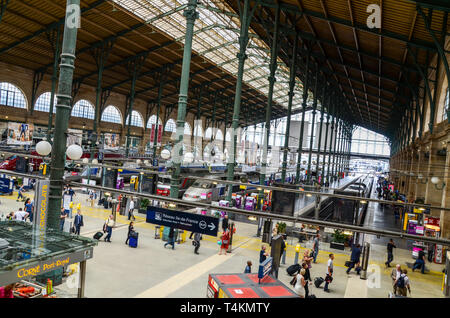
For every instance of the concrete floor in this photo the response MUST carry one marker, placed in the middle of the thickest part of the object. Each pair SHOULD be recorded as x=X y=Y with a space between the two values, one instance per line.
x=151 y=270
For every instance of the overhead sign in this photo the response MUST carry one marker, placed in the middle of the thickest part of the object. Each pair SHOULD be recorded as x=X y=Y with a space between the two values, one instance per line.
x=41 y=267
x=202 y=224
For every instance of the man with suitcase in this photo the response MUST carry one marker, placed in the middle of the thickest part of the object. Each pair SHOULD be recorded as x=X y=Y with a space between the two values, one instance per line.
x=329 y=275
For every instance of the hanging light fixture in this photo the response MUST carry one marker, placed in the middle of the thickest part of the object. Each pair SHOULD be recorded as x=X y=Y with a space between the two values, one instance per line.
x=43 y=148
x=74 y=152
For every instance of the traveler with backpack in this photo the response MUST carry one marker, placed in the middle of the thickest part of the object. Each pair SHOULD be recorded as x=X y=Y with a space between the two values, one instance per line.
x=171 y=238
x=329 y=275
x=402 y=284
x=355 y=259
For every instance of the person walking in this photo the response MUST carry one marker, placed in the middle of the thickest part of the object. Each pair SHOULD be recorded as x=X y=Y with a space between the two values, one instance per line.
x=390 y=254
x=29 y=209
x=248 y=268
x=62 y=218
x=420 y=262
x=300 y=283
x=171 y=238
x=130 y=229
x=78 y=222
x=131 y=210
x=225 y=241
x=196 y=242
x=108 y=226
x=19 y=194
x=402 y=284
x=395 y=274
x=355 y=259
x=329 y=275
x=316 y=247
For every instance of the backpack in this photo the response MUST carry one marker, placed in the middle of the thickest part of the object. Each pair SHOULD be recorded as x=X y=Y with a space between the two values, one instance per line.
x=401 y=282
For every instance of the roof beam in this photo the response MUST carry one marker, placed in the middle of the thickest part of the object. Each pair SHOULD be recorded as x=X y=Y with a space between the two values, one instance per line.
x=361 y=27
x=47 y=28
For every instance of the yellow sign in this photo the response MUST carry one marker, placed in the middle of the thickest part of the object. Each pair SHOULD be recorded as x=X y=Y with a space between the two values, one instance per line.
x=242 y=187
x=36 y=270
x=297 y=248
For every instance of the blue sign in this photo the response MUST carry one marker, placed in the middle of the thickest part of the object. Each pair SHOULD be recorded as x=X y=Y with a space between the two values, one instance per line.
x=5 y=185
x=197 y=223
x=265 y=268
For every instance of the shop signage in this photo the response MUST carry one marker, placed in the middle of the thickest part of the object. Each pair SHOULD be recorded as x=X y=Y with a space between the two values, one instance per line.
x=202 y=224
x=41 y=267
x=265 y=268
x=41 y=207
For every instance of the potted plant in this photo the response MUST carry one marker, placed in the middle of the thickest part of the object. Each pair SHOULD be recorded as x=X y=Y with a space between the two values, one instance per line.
x=143 y=205
x=338 y=240
x=281 y=228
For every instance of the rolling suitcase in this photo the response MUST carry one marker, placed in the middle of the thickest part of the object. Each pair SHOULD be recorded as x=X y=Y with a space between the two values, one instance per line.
x=98 y=235
x=318 y=281
x=133 y=241
x=291 y=270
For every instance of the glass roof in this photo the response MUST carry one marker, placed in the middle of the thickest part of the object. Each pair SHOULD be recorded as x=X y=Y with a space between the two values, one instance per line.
x=216 y=34
x=22 y=248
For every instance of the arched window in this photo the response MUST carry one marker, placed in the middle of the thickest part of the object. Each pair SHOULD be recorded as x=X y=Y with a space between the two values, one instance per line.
x=43 y=103
x=228 y=136
x=136 y=119
x=198 y=131
x=208 y=133
x=170 y=126
x=187 y=129
x=112 y=114
x=83 y=109
x=219 y=135
x=11 y=95
x=152 y=121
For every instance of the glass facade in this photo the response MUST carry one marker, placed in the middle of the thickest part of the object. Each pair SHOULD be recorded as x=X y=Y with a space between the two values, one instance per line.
x=152 y=121
x=368 y=142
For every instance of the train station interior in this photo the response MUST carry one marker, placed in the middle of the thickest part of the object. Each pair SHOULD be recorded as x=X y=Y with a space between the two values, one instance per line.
x=224 y=149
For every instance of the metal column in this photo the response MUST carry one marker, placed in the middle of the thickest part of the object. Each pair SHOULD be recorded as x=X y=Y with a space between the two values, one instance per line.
x=291 y=94
x=54 y=79
x=245 y=18
x=308 y=176
x=273 y=67
x=63 y=109
x=191 y=14
x=300 y=141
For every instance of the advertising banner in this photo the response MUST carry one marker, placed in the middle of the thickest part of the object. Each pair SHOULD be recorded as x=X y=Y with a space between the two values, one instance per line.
x=74 y=137
x=20 y=134
x=111 y=141
x=160 y=134
x=152 y=135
